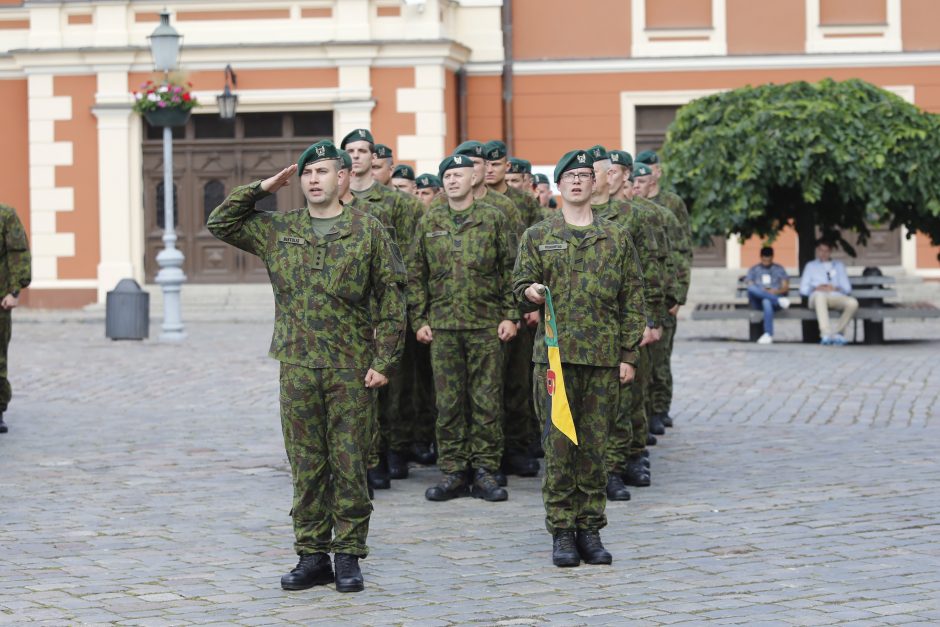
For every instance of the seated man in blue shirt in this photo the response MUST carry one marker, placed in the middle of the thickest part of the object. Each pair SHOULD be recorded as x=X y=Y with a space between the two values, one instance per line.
x=826 y=283
x=767 y=288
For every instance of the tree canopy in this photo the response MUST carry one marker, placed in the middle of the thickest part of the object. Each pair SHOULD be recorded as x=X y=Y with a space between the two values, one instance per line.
x=829 y=156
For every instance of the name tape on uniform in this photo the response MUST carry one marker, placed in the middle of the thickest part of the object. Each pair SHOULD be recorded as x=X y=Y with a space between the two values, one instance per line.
x=292 y=240
x=553 y=246
x=437 y=233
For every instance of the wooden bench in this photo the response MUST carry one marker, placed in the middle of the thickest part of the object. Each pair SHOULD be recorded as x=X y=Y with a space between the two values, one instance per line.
x=869 y=290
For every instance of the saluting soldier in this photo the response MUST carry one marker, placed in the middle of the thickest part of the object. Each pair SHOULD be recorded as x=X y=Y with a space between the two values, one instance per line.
x=329 y=266
x=590 y=266
x=460 y=302
x=428 y=188
x=645 y=231
x=403 y=179
x=399 y=212
x=15 y=275
x=661 y=386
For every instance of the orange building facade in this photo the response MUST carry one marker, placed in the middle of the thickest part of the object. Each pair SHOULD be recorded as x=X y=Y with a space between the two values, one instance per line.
x=85 y=173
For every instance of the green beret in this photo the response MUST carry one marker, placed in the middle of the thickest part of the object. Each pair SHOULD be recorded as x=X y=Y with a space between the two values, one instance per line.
x=346 y=160
x=526 y=166
x=541 y=179
x=598 y=152
x=403 y=171
x=319 y=151
x=454 y=161
x=382 y=151
x=620 y=157
x=640 y=169
x=572 y=161
x=470 y=148
x=428 y=181
x=649 y=157
x=494 y=150
x=517 y=166
x=358 y=135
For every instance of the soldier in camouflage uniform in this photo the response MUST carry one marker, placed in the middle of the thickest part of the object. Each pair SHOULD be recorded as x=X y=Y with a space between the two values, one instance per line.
x=618 y=177
x=15 y=276
x=661 y=386
x=590 y=266
x=428 y=188
x=395 y=439
x=382 y=163
x=460 y=301
x=330 y=267
x=544 y=193
x=520 y=425
x=403 y=179
x=629 y=425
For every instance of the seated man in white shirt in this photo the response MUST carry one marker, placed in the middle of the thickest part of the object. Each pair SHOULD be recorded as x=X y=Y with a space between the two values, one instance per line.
x=826 y=283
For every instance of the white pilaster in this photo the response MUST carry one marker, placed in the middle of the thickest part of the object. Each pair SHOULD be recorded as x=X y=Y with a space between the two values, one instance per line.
x=426 y=101
x=353 y=108
x=733 y=252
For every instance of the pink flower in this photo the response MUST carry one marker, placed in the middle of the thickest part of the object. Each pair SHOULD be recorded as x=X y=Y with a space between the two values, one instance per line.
x=161 y=104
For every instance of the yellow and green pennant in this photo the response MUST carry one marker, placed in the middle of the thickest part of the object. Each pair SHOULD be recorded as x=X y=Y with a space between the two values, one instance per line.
x=558 y=409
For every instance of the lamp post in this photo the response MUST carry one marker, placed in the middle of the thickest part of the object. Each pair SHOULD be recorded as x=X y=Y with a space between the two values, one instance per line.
x=165 y=47
x=227 y=101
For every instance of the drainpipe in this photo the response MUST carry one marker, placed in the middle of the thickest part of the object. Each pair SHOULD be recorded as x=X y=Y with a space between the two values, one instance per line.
x=462 y=131
x=507 y=77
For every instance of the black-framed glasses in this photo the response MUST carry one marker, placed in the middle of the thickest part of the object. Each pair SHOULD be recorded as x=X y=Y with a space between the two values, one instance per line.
x=571 y=177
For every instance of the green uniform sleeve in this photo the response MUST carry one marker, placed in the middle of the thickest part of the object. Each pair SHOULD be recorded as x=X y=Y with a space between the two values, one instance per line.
x=507 y=242
x=236 y=222
x=387 y=278
x=527 y=270
x=632 y=320
x=18 y=260
x=418 y=298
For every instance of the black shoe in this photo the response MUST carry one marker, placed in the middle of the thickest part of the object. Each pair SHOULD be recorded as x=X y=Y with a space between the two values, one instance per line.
x=650 y=439
x=591 y=550
x=313 y=569
x=645 y=453
x=667 y=420
x=397 y=466
x=348 y=575
x=656 y=424
x=518 y=463
x=451 y=487
x=485 y=487
x=3 y=426
x=636 y=473
x=501 y=479
x=371 y=492
x=564 y=551
x=378 y=479
x=536 y=450
x=616 y=491
x=424 y=453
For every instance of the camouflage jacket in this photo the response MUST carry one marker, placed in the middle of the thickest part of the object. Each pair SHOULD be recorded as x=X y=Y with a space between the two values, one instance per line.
x=494 y=199
x=596 y=290
x=394 y=209
x=322 y=286
x=676 y=205
x=676 y=286
x=15 y=271
x=646 y=233
x=528 y=207
x=459 y=275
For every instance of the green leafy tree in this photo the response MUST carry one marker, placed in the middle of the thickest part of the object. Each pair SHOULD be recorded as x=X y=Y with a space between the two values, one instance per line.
x=828 y=156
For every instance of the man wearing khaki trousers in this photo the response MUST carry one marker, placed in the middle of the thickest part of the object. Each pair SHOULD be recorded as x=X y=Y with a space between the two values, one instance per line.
x=826 y=284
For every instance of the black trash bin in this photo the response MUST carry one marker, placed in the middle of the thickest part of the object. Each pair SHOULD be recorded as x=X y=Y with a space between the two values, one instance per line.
x=127 y=312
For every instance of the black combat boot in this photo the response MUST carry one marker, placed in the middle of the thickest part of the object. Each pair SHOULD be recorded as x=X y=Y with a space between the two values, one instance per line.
x=616 y=491
x=348 y=575
x=656 y=424
x=451 y=487
x=519 y=463
x=3 y=426
x=378 y=476
x=650 y=439
x=646 y=453
x=485 y=487
x=591 y=549
x=564 y=551
x=667 y=420
x=636 y=473
x=424 y=453
x=500 y=477
x=313 y=569
x=397 y=466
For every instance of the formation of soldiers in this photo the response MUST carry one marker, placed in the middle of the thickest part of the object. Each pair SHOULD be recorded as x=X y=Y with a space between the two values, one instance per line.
x=431 y=289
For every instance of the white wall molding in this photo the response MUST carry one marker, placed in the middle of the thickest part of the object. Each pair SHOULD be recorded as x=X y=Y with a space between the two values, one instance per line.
x=679 y=42
x=853 y=37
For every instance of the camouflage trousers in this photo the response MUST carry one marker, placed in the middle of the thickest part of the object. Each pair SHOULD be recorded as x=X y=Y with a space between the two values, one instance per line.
x=326 y=417
x=574 y=487
x=520 y=426
x=6 y=331
x=423 y=395
x=629 y=425
x=468 y=372
x=660 y=390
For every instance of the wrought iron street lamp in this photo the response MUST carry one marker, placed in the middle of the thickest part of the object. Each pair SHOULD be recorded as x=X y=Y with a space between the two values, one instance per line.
x=228 y=102
x=165 y=47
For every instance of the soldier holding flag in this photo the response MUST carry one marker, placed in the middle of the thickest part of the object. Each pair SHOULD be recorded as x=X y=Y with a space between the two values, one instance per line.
x=582 y=271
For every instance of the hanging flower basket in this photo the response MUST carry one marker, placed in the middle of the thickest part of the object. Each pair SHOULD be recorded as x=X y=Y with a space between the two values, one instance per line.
x=168 y=104
x=168 y=117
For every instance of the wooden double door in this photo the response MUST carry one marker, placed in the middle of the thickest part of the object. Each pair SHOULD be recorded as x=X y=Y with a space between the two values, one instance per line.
x=205 y=170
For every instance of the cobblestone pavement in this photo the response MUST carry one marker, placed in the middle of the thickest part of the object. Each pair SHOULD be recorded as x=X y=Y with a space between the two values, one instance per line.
x=146 y=484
